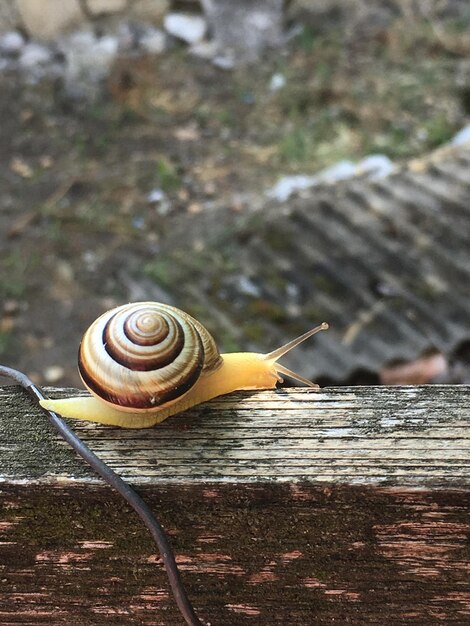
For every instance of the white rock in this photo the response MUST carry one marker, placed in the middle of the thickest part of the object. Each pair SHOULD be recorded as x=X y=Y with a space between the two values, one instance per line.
x=153 y=41
x=159 y=198
x=277 y=82
x=156 y=195
x=106 y=48
x=138 y=222
x=88 y=57
x=80 y=40
x=90 y=260
x=100 y=7
x=204 y=49
x=224 y=61
x=34 y=55
x=288 y=185
x=375 y=166
x=53 y=373
x=189 y=28
x=46 y=19
x=248 y=287
x=339 y=171
x=12 y=42
x=461 y=137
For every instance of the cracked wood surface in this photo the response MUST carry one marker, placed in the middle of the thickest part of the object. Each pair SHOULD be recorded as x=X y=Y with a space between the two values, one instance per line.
x=351 y=506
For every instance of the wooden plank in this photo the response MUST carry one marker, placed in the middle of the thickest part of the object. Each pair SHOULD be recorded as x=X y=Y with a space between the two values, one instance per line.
x=415 y=436
x=347 y=506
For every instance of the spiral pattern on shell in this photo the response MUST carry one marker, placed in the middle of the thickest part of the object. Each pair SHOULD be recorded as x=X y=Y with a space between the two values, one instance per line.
x=141 y=356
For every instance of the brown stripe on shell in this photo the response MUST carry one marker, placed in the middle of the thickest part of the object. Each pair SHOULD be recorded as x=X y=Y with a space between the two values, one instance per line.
x=140 y=401
x=153 y=360
x=115 y=383
x=212 y=358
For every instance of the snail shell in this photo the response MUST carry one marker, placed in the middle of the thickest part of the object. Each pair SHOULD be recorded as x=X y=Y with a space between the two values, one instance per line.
x=138 y=357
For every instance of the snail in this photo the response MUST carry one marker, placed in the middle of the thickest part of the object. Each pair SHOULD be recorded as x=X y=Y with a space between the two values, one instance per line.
x=145 y=361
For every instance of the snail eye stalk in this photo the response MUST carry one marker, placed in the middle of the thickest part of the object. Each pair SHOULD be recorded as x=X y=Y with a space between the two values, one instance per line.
x=275 y=355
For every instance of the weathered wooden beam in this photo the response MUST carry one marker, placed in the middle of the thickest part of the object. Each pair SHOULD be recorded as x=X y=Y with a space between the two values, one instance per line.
x=348 y=506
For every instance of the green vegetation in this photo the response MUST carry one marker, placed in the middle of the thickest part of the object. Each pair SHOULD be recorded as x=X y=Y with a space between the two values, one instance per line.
x=5 y=339
x=167 y=175
x=160 y=271
x=14 y=277
x=439 y=130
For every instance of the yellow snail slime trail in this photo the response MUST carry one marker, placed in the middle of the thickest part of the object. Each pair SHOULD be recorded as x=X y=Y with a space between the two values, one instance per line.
x=126 y=491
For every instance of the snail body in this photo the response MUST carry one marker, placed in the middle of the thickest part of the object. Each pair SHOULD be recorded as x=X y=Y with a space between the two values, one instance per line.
x=145 y=361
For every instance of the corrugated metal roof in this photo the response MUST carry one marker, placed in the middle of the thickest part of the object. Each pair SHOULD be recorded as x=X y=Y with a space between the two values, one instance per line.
x=386 y=262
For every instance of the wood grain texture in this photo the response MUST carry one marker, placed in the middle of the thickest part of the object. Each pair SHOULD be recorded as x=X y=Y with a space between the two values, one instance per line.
x=348 y=506
x=416 y=436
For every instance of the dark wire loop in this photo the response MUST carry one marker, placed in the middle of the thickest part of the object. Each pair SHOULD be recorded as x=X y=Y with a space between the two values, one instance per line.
x=126 y=491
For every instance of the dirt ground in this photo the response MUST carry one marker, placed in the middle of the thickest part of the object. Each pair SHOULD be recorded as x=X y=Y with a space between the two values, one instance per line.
x=92 y=193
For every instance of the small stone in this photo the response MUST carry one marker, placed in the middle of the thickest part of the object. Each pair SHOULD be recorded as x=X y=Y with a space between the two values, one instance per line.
x=277 y=82
x=53 y=374
x=375 y=166
x=463 y=136
x=164 y=208
x=64 y=272
x=88 y=61
x=153 y=41
x=138 y=222
x=101 y=7
x=46 y=19
x=183 y=194
x=106 y=48
x=12 y=42
x=80 y=40
x=46 y=161
x=224 y=61
x=194 y=208
x=156 y=195
x=245 y=28
x=292 y=291
x=6 y=324
x=187 y=133
x=34 y=55
x=187 y=27
x=248 y=287
x=337 y=172
x=204 y=50
x=288 y=185
x=159 y=198
x=11 y=307
x=90 y=260
x=20 y=167
x=209 y=188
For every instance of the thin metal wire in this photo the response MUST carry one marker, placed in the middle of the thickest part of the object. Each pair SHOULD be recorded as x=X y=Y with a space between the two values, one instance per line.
x=126 y=491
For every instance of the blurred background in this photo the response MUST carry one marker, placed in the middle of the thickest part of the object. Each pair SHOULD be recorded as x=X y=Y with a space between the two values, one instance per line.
x=264 y=165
